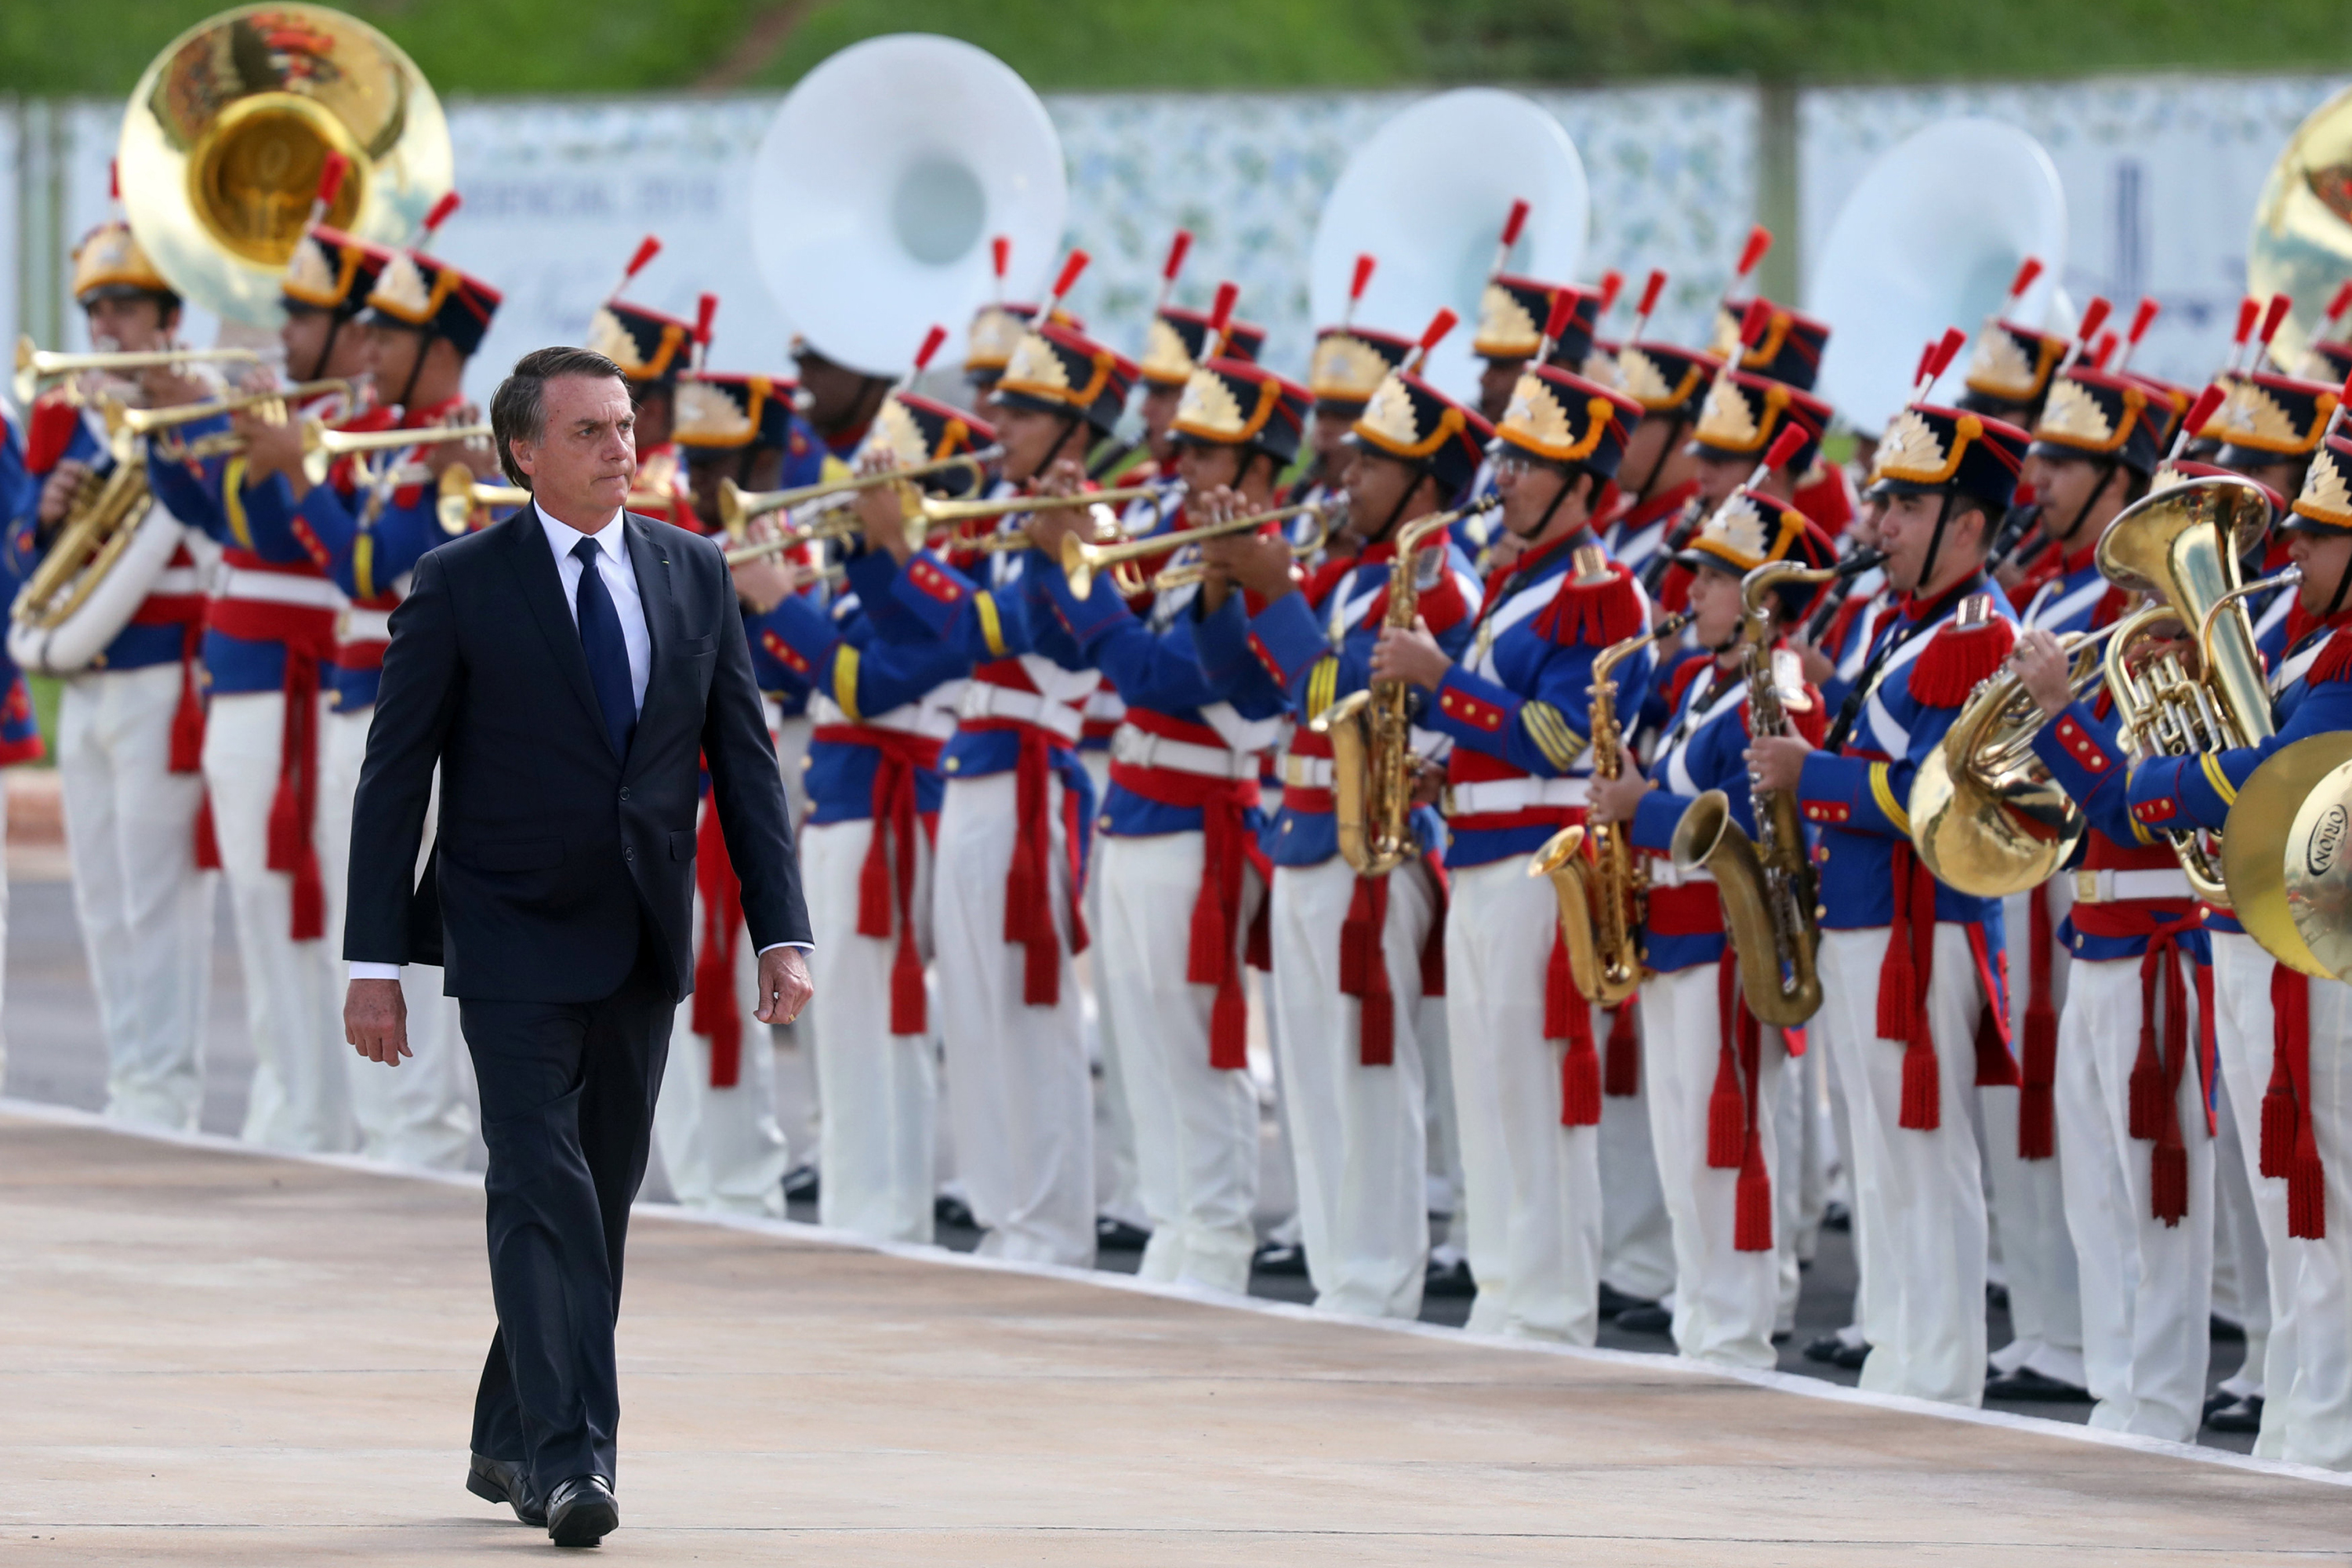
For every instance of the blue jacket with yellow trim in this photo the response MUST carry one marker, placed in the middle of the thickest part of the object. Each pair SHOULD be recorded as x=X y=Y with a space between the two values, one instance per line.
x=1322 y=654
x=2087 y=759
x=1156 y=667
x=862 y=676
x=1857 y=799
x=2313 y=696
x=1013 y=617
x=213 y=494
x=1522 y=693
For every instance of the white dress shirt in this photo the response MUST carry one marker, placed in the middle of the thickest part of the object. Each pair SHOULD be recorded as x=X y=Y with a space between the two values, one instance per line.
x=620 y=582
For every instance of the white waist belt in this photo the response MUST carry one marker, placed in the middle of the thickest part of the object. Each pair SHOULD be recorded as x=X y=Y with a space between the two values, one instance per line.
x=364 y=625
x=1664 y=873
x=1306 y=772
x=982 y=700
x=1514 y=794
x=176 y=582
x=278 y=588
x=2108 y=887
x=1141 y=748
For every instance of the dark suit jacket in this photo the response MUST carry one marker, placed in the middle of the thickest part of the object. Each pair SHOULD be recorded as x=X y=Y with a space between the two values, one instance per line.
x=552 y=851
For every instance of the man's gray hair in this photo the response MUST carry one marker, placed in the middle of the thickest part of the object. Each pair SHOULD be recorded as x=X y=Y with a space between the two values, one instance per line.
x=518 y=407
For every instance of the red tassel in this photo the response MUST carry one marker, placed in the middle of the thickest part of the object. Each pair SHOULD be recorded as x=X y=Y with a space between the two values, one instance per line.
x=1923 y=1102
x=2306 y=1193
x=1358 y=947
x=1229 y=1029
x=874 y=884
x=2169 y=1183
x=1376 y=1031
x=2146 y=1092
x=2278 y=1121
x=188 y=718
x=909 y=1006
x=1725 y=1112
x=1562 y=1002
x=287 y=835
x=208 y=855
x=1751 y=1228
x=1364 y=974
x=310 y=899
x=1597 y=614
x=2037 y=1126
x=1579 y=1083
x=1622 y=1074
x=1898 y=987
x=2306 y=1179
x=1955 y=660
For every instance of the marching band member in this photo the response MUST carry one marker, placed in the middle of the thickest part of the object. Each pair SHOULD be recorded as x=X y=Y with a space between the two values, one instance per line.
x=883 y=696
x=1014 y=831
x=1513 y=313
x=1518 y=772
x=1177 y=871
x=2080 y=982
x=653 y=350
x=1659 y=472
x=364 y=530
x=1348 y=365
x=128 y=731
x=716 y=1120
x=1714 y=1073
x=1786 y=346
x=1908 y=965
x=1174 y=347
x=422 y=1116
x=1354 y=1071
x=2302 y=1138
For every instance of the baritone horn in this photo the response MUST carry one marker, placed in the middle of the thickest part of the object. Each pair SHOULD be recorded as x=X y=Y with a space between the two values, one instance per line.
x=1082 y=559
x=230 y=129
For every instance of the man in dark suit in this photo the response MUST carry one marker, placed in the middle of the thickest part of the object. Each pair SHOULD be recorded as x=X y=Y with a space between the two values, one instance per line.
x=569 y=670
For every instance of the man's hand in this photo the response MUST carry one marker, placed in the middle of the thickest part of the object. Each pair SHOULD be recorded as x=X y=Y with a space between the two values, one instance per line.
x=1046 y=530
x=1066 y=478
x=785 y=984
x=1260 y=565
x=2045 y=672
x=272 y=448
x=1777 y=761
x=1412 y=657
x=765 y=583
x=1616 y=800
x=166 y=386
x=375 y=1020
x=57 y=493
x=1505 y=550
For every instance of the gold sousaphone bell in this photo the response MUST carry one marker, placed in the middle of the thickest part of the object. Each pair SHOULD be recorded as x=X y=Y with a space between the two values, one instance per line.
x=229 y=130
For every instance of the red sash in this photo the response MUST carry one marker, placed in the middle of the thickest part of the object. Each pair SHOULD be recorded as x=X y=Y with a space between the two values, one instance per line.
x=1227 y=848
x=888 y=873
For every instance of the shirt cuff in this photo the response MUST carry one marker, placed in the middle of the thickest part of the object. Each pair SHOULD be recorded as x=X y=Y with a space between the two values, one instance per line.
x=803 y=946
x=362 y=970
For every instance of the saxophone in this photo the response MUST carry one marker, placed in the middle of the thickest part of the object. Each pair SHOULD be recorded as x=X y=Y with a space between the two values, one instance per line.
x=1595 y=875
x=1370 y=731
x=95 y=530
x=1770 y=892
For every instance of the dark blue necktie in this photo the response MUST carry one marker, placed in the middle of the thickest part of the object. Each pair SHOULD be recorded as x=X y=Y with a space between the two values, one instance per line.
x=608 y=654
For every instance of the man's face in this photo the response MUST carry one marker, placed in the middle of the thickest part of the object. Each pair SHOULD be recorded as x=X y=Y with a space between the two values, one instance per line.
x=1158 y=413
x=1715 y=605
x=1029 y=436
x=1495 y=384
x=1204 y=466
x=1866 y=524
x=2067 y=489
x=1655 y=436
x=311 y=355
x=705 y=466
x=134 y=324
x=656 y=404
x=1718 y=476
x=1909 y=527
x=1529 y=490
x=2324 y=558
x=1377 y=484
x=834 y=390
x=582 y=466
x=1328 y=437
x=397 y=351
x=2283 y=475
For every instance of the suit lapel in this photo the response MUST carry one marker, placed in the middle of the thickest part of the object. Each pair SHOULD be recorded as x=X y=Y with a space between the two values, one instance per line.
x=542 y=590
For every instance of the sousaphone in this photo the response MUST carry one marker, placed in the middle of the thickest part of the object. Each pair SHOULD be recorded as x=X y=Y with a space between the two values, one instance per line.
x=1930 y=238
x=880 y=184
x=2302 y=241
x=1426 y=194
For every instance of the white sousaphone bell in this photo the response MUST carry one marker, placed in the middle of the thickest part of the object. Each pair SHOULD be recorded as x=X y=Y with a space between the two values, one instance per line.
x=1930 y=237
x=1426 y=194
x=880 y=184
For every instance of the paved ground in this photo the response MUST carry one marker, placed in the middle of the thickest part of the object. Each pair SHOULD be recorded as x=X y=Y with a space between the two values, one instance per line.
x=214 y=1357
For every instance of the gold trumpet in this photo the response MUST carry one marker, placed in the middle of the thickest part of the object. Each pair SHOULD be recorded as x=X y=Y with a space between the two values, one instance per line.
x=737 y=505
x=35 y=366
x=1081 y=559
x=937 y=516
x=145 y=421
x=461 y=495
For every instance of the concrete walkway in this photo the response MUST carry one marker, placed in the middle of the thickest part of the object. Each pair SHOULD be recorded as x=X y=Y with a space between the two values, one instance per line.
x=210 y=1357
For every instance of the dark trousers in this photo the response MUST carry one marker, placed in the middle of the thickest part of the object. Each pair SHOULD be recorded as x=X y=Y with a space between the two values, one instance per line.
x=568 y=1095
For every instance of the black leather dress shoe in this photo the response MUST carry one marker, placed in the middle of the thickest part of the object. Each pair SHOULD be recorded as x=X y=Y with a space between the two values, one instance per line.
x=1449 y=1278
x=802 y=1185
x=582 y=1511
x=1651 y=1319
x=495 y=1480
x=1280 y=1258
x=2238 y=1416
x=1613 y=1300
x=1824 y=1348
x=1118 y=1235
x=947 y=1209
x=2027 y=1383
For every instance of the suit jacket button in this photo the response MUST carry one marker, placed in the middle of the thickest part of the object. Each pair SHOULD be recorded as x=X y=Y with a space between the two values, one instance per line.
x=628 y=853
x=624 y=791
